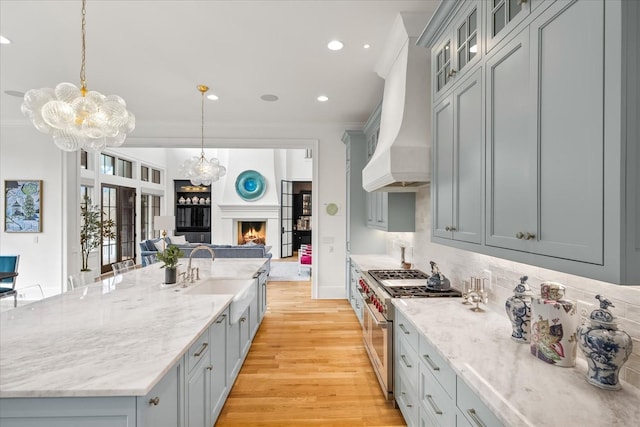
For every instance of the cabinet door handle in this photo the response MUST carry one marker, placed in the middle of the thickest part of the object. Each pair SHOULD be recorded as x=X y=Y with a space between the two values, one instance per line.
x=525 y=236
x=404 y=395
x=201 y=350
x=403 y=329
x=476 y=419
x=433 y=404
x=430 y=362
x=452 y=73
x=210 y=368
x=404 y=359
x=154 y=401
x=221 y=318
x=243 y=319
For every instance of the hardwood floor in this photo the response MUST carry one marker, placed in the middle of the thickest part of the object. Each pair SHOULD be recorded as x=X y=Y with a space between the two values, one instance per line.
x=307 y=367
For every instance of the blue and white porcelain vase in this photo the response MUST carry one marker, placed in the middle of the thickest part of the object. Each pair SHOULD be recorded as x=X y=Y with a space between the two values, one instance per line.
x=605 y=346
x=518 y=309
x=554 y=320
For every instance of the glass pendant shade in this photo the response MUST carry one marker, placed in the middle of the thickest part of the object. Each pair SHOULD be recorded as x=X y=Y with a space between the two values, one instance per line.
x=77 y=118
x=91 y=122
x=198 y=169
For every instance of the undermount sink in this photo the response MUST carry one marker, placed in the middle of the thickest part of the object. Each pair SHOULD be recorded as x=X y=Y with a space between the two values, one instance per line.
x=243 y=291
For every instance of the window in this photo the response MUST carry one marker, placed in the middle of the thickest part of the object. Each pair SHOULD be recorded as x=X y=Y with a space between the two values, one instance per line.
x=107 y=164
x=156 y=176
x=125 y=168
x=83 y=159
x=86 y=194
x=150 y=208
x=144 y=173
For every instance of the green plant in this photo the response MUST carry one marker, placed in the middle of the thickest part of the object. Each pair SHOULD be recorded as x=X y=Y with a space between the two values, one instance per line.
x=93 y=231
x=170 y=256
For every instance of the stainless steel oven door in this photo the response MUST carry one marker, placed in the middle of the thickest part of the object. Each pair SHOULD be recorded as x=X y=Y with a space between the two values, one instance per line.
x=378 y=339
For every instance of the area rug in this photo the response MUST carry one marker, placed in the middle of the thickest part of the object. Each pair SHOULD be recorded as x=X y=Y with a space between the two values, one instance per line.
x=287 y=272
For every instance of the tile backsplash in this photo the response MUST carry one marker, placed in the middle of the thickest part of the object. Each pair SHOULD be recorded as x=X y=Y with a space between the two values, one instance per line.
x=460 y=265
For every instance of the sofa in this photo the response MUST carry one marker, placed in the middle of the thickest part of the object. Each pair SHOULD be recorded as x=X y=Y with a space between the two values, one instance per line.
x=149 y=248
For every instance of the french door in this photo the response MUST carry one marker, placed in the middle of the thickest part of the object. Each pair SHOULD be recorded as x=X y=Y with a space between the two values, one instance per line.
x=286 y=218
x=119 y=204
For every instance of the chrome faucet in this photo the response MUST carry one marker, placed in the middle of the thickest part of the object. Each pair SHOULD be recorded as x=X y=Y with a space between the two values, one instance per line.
x=193 y=251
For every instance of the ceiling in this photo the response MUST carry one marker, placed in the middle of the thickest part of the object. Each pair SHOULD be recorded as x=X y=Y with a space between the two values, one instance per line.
x=155 y=53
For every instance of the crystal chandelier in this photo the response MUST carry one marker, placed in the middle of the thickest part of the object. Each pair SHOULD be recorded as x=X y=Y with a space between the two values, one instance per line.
x=78 y=118
x=198 y=169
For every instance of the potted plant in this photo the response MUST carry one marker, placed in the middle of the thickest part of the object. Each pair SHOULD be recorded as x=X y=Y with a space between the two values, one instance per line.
x=93 y=230
x=170 y=257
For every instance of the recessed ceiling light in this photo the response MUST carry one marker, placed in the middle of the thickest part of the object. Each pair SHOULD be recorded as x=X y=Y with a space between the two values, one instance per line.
x=213 y=97
x=335 y=45
x=269 y=97
x=323 y=98
x=366 y=46
x=4 y=40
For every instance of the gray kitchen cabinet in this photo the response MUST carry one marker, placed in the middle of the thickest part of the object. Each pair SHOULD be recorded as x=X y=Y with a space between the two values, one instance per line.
x=163 y=406
x=544 y=202
x=458 y=50
x=219 y=388
x=238 y=344
x=197 y=390
x=355 y=297
x=458 y=152
x=561 y=187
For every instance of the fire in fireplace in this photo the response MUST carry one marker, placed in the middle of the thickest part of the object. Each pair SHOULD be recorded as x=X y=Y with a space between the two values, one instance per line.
x=252 y=232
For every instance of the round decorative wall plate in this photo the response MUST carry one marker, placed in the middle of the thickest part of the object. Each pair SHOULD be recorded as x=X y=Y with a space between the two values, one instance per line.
x=250 y=185
x=332 y=209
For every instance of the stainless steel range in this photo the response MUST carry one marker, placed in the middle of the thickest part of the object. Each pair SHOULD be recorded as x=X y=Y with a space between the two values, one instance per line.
x=378 y=287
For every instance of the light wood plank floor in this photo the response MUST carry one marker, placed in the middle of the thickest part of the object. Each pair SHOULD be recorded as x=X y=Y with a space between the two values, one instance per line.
x=307 y=367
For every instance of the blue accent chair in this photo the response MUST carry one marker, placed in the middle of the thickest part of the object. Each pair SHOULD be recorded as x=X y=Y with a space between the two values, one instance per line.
x=9 y=264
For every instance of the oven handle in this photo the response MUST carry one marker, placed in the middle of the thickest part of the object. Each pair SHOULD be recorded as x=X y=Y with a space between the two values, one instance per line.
x=377 y=317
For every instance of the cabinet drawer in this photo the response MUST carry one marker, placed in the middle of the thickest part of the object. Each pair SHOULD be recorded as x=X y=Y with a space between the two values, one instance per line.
x=438 y=366
x=438 y=404
x=198 y=351
x=473 y=409
x=407 y=361
x=406 y=330
x=407 y=399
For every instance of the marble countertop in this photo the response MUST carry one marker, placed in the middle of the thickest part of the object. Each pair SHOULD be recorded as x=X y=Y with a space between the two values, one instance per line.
x=117 y=337
x=520 y=389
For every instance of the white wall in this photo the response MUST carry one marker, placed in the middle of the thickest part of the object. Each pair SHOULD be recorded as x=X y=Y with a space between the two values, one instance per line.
x=26 y=154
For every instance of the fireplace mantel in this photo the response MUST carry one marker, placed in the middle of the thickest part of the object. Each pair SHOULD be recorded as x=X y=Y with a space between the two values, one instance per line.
x=248 y=208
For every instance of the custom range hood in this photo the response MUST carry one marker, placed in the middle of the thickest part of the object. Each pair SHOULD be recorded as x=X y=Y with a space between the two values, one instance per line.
x=402 y=159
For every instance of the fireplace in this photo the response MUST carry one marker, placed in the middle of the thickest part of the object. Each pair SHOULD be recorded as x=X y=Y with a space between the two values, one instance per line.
x=252 y=232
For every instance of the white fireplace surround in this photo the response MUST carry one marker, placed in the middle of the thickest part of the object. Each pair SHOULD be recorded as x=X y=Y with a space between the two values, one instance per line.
x=230 y=215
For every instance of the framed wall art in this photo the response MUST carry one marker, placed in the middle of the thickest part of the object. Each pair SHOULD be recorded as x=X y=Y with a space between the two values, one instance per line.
x=23 y=206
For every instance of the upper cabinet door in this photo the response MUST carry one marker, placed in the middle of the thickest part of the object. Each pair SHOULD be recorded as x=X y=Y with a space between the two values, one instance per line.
x=442 y=179
x=511 y=149
x=570 y=128
x=458 y=50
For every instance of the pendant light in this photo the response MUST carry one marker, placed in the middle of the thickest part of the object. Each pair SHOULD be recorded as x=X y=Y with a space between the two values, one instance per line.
x=198 y=169
x=76 y=117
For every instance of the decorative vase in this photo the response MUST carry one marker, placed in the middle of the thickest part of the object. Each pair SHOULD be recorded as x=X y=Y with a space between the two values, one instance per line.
x=195 y=200
x=170 y=275
x=554 y=320
x=181 y=200
x=605 y=346
x=518 y=309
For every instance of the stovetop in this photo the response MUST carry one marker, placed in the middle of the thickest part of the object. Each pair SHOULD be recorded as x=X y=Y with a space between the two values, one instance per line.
x=381 y=275
x=408 y=284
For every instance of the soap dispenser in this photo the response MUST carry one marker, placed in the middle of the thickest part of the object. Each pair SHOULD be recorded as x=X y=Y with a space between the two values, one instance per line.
x=605 y=346
x=518 y=309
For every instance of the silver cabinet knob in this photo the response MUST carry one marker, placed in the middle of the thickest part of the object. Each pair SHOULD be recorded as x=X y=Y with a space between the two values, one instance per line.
x=450 y=228
x=154 y=401
x=525 y=236
x=210 y=368
x=519 y=235
x=452 y=73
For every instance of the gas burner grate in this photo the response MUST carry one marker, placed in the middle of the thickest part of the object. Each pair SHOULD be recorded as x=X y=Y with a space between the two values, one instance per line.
x=419 y=292
x=380 y=275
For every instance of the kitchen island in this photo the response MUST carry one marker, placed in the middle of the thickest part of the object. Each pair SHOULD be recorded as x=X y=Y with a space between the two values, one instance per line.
x=116 y=338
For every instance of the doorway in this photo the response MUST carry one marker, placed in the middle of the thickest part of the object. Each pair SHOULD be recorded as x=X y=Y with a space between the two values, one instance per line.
x=118 y=204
